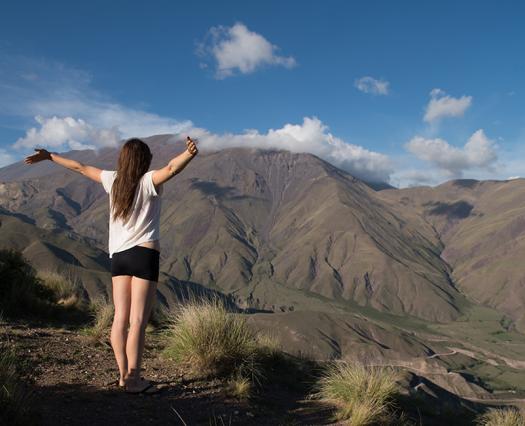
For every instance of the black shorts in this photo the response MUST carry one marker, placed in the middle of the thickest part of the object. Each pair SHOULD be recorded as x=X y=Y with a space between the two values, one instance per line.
x=138 y=261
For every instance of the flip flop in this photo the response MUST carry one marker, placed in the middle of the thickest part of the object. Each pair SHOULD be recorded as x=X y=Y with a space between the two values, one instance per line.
x=115 y=382
x=145 y=390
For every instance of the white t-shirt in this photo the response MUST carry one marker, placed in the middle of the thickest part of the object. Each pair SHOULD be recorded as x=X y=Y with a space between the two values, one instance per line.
x=144 y=223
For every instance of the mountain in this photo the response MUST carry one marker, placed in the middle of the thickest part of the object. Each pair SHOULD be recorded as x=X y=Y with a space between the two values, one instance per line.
x=56 y=250
x=258 y=224
x=482 y=228
x=426 y=278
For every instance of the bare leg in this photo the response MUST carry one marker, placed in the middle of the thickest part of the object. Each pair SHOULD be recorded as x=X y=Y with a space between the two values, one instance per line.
x=119 y=329
x=143 y=294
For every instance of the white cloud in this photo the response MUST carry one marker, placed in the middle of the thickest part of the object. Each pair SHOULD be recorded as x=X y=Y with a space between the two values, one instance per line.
x=513 y=177
x=71 y=115
x=107 y=115
x=417 y=177
x=67 y=132
x=442 y=105
x=371 y=85
x=478 y=153
x=238 y=49
x=69 y=112
x=311 y=136
x=5 y=158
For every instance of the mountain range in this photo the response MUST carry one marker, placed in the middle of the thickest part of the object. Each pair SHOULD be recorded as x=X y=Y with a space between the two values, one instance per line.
x=336 y=267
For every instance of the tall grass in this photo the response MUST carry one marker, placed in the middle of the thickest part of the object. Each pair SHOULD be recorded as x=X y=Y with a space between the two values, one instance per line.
x=101 y=312
x=501 y=417
x=211 y=340
x=362 y=395
x=65 y=287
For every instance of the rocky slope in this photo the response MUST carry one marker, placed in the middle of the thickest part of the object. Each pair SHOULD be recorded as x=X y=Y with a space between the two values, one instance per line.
x=245 y=220
x=481 y=226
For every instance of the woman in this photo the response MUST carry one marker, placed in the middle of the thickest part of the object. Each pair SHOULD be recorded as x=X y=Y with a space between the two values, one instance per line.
x=134 y=246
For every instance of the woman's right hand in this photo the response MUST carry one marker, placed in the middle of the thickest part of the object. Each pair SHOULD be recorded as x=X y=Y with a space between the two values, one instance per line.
x=41 y=154
x=191 y=147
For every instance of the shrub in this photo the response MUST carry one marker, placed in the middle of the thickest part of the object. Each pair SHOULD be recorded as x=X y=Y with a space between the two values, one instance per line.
x=501 y=417
x=211 y=340
x=362 y=395
x=22 y=294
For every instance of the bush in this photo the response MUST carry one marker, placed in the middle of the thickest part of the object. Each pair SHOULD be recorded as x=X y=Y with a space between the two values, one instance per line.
x=211 y=340
x=501 y=417
x=22 y=294
x=362 y=395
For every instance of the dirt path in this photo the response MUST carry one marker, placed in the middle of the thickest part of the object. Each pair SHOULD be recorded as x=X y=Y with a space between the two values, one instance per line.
x=70 y=379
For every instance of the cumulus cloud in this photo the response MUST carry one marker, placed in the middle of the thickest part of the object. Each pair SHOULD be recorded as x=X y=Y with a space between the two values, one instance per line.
x=311 y=136
x=237 y=49
x=442 y=105
x=478 y=153
x=373 y=86
x=108 y=115
x=5 y=158
x=68 y=132
x=71 y=115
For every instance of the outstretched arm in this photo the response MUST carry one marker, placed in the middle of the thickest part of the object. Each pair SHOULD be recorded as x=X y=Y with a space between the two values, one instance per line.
x=42 y=154
x=176 y=165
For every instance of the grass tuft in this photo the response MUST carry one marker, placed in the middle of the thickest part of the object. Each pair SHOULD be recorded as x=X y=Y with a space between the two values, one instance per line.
x=240 y=387
x=101 y=312
x=212 y=341
x=64 y=286
x=362 y=395
x=501 y=417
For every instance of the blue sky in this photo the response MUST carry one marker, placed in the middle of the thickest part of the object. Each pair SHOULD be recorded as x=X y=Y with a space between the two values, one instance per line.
x=411 y=92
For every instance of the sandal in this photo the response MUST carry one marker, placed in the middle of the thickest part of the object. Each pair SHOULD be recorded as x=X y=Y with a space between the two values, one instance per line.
x=148 y=389
x=115 y=382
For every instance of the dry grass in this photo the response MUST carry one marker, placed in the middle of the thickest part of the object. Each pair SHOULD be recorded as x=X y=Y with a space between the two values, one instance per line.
x=501 y=417
x=210 y=340
x=65 y=286
x=240 y=387
x=269 y=344
x=102 y=317
x=362 y=395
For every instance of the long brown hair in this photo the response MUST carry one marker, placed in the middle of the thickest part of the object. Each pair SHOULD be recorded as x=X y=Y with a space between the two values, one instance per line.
x=134 y=160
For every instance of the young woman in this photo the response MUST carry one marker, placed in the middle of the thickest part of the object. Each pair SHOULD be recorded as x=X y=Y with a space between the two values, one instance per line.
x=134 y=246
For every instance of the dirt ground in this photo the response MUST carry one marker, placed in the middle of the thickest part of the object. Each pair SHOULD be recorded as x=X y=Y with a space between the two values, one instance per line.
x=70 y=378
